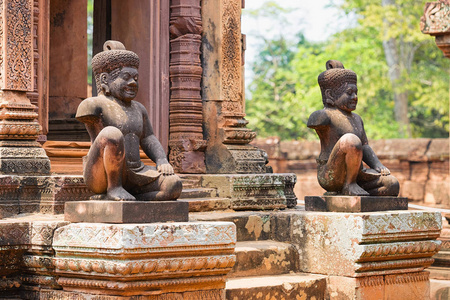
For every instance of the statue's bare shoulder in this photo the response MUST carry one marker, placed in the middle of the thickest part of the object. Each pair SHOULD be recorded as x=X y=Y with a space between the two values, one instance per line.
x=319 y=118
x=91 y=108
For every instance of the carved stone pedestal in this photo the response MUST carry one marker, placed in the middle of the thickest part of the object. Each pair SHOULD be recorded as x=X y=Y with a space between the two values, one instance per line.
x=379 y=255
x=143 y=261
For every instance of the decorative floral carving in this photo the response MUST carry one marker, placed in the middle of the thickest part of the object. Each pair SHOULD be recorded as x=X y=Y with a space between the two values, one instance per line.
x=231 y=50
x=18 y=49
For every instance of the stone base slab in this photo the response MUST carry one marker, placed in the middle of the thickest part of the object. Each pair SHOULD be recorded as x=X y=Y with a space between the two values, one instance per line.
x=355 y=203
x=126 y=211
x=143 y=259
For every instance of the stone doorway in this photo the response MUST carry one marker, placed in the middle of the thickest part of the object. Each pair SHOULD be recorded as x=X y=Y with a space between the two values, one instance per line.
x=66 y=53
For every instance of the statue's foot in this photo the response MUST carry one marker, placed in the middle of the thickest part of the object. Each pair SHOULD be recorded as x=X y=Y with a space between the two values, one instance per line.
x=354 y=189
x=119 y=194
x=98 y=197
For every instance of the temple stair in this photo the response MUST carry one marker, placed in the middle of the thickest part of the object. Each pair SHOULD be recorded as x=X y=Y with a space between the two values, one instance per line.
x=266 y=263
x=279 y=287
x=258 y=258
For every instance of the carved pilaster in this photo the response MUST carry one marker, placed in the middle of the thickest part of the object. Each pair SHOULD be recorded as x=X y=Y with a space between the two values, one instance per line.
x=19 y=130
x=228 y=149
x=435 y=22
x=186 y=134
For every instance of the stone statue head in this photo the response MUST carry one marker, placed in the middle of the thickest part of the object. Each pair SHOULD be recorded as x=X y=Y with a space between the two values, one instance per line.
x=116 y=71
x=334 y=81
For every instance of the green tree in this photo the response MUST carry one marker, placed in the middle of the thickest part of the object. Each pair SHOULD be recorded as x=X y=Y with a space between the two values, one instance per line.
x=409 y=56
x=284 y=90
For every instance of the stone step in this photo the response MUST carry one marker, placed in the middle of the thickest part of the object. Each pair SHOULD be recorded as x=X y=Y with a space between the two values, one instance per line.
x=253 y=225
x=198 y=193
x=258 y=258
x=280 y=287
x=190 y=184
x=190 y=181
x=207 y=204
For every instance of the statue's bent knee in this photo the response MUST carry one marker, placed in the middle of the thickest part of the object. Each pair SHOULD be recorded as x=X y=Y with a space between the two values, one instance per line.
x=111 y=134
x=350 y=141
x=172 y=187
x=392 y=185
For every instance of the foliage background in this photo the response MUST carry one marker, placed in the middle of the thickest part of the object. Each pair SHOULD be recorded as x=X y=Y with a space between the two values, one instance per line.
x=284 y=91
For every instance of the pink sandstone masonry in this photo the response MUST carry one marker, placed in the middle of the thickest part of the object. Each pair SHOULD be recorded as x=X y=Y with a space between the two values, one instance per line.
x=421 y=166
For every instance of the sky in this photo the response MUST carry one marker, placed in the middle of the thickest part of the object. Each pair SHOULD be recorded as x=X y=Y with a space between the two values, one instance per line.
x=312 y=17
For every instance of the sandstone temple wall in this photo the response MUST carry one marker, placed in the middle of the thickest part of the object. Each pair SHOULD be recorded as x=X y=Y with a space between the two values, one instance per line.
x=421 y=165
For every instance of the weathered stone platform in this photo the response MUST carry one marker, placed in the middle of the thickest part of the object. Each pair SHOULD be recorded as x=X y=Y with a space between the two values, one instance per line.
x=361 y=255
x=126 y=211
x=355 y=203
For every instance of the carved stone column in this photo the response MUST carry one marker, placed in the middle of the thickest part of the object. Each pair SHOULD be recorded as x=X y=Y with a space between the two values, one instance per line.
x=186 y=134
x=436 y=22
x=228 y=149
x=20 y=153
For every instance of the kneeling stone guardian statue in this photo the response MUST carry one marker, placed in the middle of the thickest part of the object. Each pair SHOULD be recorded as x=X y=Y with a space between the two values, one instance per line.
x=117 y=126
x=344 y=144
